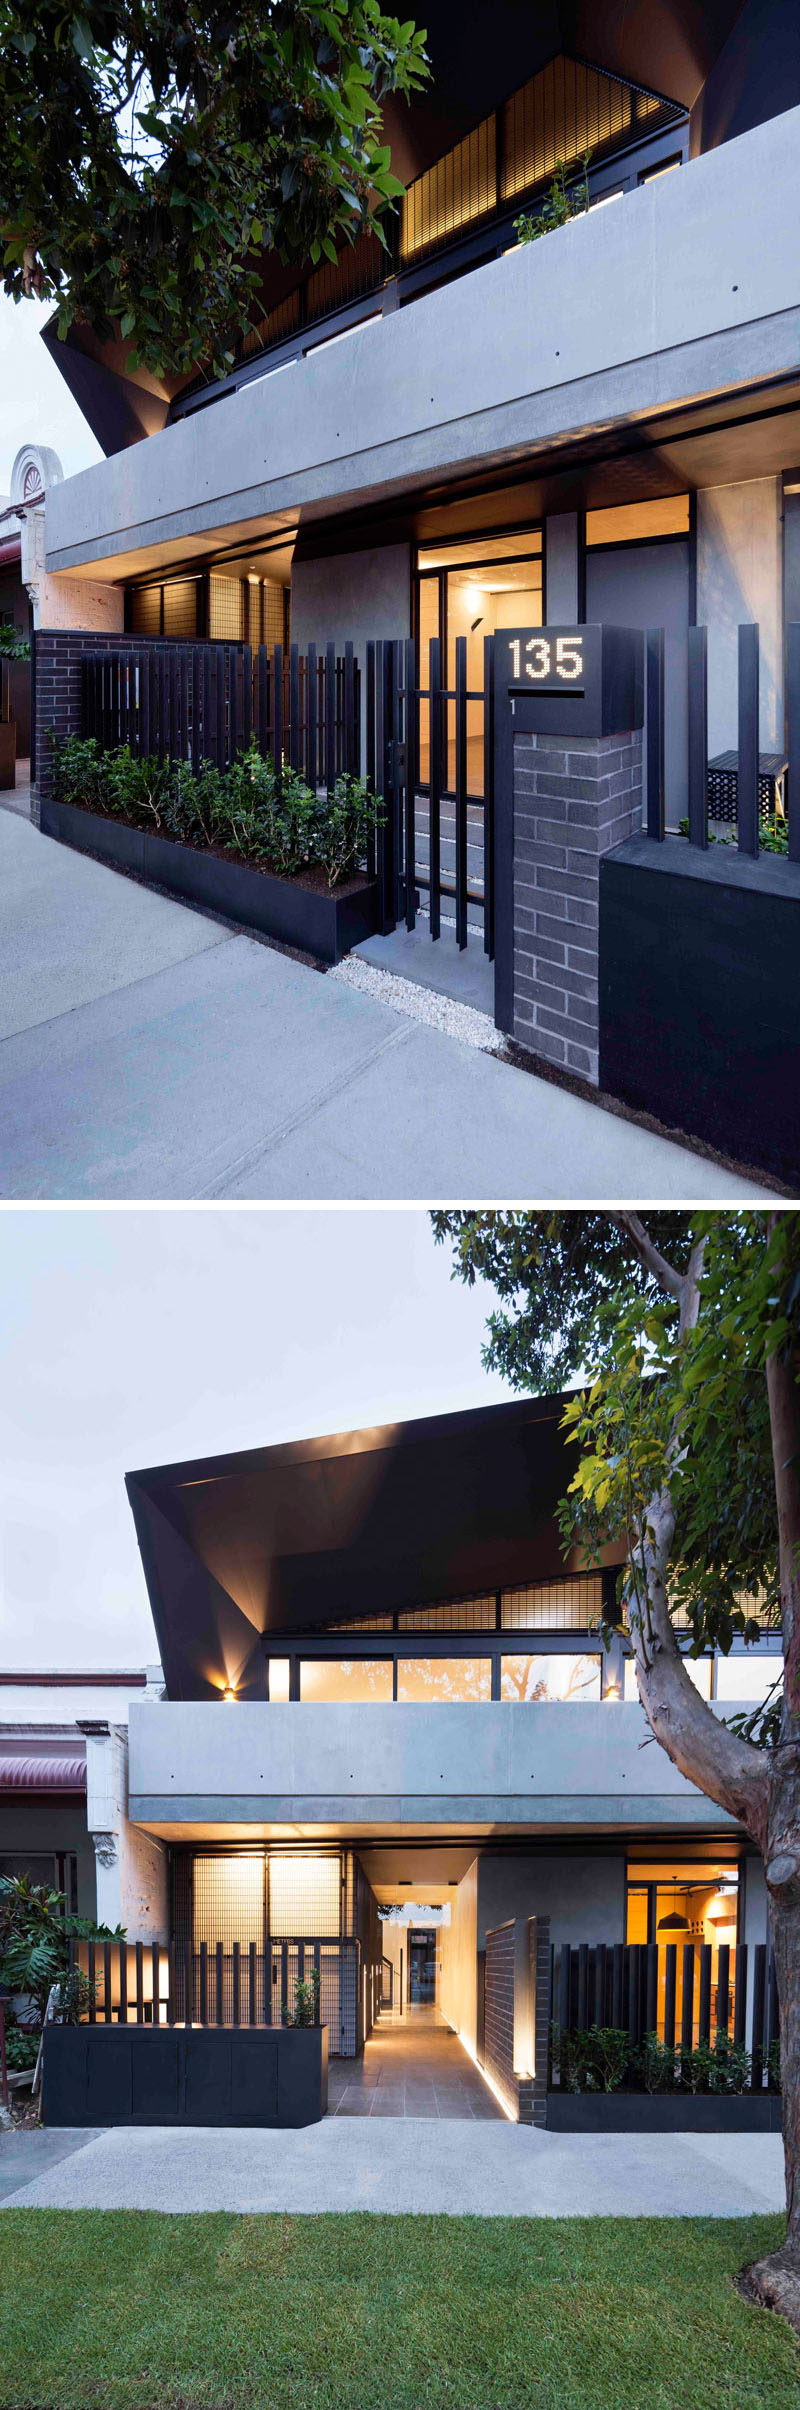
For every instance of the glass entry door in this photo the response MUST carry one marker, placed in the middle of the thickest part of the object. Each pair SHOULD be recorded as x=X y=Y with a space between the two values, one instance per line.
x=469 y=589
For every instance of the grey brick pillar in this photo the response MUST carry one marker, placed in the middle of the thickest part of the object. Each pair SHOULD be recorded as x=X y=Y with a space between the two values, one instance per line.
x=574 y=799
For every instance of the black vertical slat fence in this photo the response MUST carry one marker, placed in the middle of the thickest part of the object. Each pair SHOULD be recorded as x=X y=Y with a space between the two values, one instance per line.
x=207 y=702
x=685 y=1995
x=743 y=787
x=220 y=1983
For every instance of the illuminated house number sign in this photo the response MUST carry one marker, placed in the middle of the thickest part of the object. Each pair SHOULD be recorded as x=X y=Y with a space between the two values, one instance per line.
x=556 y=662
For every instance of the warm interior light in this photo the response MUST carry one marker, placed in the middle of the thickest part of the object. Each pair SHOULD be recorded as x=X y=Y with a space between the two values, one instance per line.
x=673 y=1923
x=229 y=1693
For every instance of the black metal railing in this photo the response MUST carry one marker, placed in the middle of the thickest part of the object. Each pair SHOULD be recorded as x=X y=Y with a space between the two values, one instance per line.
x=744 y=787
x=205 y=701
x=685 y=1993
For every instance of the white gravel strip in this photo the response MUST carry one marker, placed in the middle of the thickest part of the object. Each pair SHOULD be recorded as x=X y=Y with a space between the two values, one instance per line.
x=460 y=1021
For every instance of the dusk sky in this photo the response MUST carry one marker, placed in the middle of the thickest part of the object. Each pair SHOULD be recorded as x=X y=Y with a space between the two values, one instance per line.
x=37 y=405
x=135 y=1337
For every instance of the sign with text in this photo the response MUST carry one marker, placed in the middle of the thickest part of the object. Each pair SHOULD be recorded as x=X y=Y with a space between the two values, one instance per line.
x=571 y=681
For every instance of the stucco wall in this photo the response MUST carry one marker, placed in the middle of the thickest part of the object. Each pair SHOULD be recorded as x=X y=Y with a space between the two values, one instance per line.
x=739 y=577
x=459 y=1945
x=60 y=601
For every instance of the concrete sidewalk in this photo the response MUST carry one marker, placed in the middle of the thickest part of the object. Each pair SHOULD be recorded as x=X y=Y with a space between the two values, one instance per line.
x=149 y=1052
x=454 y=2166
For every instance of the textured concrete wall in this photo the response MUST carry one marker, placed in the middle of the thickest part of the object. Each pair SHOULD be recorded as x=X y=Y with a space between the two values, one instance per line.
x=739 y=577
x=352 y=596
x=584 y=1897
x=574 y=799
x=561 y=584
x=459 y=1945
x=690 y=284
x=381 y=1766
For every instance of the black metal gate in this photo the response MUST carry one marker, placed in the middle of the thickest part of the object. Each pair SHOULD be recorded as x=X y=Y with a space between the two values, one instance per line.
x=424 y=745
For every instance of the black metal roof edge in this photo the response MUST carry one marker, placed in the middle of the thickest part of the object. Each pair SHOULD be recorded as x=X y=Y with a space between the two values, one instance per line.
x=371 y=1437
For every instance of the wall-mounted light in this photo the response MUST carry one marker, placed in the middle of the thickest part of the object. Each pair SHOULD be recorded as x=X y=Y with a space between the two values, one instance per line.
x=229 y=1694
x=613 y=1690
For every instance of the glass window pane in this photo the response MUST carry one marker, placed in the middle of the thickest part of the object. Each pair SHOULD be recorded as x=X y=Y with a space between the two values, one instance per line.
x=456 y=1615
x=638 y=522
x=348 y=1682
x=303 y=1896
x=747 y=1674
x=562 y=1677
x=278 y=1678
x=497 y=548
x=229 y=1901
x=426 y=1678
x=428 y=629
x=567 y=1606
x=699 y=1670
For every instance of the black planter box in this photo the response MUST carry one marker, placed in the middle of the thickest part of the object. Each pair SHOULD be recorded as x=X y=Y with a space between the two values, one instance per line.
x=262 y=2075
x=326 y=926
x=663 y=2113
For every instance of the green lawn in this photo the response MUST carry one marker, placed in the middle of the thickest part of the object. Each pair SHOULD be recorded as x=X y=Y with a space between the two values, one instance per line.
x=121 y=2310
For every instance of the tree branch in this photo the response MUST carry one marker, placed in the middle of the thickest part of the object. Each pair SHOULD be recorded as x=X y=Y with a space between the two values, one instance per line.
x=667 y=1275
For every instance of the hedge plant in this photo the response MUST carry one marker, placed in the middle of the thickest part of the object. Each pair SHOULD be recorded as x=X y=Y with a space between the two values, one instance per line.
x=273 y=821
x=605 y=2059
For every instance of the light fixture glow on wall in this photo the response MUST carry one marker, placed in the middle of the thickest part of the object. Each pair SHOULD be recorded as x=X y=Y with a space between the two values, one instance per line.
x=229 y=1695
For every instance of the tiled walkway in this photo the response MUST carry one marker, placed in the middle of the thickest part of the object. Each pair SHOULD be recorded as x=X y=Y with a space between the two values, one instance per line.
x=415 y=2067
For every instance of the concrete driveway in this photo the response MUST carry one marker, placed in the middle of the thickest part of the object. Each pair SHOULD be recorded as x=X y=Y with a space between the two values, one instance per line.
x=147 y=1051
x=483 y=2170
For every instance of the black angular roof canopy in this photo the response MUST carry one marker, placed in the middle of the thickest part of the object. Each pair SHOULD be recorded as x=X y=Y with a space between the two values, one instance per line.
x=357 y=1523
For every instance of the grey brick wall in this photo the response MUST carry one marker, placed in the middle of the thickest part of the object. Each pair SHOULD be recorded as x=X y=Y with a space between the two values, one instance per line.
x=573 y=801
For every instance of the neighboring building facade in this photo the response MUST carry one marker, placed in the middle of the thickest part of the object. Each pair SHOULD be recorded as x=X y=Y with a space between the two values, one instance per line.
x=64 y=1796
x=21 y=521
x=604 y=425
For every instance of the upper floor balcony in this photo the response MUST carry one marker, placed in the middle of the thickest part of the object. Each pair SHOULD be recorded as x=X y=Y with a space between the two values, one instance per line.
x=688 y=287
x=364 y=1767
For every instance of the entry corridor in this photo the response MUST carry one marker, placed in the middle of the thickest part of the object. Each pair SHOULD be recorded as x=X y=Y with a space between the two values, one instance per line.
x=412 y=2066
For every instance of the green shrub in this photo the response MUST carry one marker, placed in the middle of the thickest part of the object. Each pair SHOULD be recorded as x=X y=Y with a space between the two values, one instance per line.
x=563 y=200
x=658 y=2065
x=306 y=2003
x=35 y=1932
x=22 y=2048
x=246 y=810
x=595 y=2061
x=604 y=2058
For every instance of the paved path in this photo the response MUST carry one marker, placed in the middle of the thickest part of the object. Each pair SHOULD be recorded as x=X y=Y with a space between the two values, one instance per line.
x=485 y=2170
x=414 y=2066
x=147 y=1051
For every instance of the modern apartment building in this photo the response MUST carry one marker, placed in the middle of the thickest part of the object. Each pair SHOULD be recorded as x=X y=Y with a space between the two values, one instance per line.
x=473 y=432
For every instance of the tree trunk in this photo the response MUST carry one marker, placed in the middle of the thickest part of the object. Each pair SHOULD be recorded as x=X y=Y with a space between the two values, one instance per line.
x=776 y=2280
